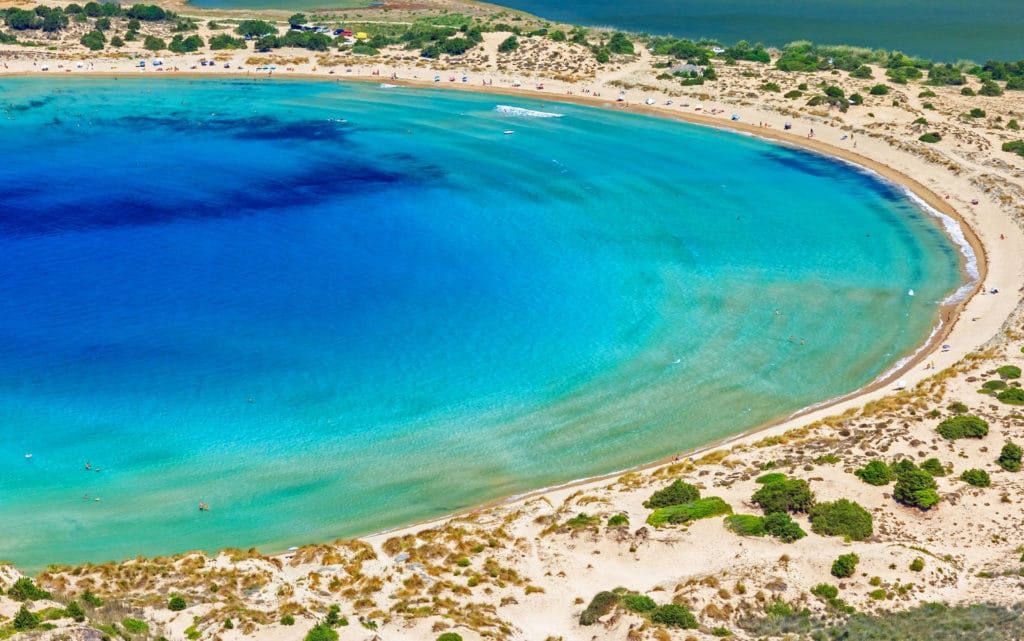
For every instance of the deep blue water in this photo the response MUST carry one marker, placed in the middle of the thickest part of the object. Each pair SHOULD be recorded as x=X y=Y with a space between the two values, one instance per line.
x=330 y=308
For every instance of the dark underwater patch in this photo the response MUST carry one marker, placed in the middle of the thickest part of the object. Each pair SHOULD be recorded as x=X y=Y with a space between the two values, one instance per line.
x=251 y=128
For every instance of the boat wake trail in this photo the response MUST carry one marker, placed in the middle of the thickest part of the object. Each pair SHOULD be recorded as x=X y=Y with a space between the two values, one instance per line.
x=524 y=113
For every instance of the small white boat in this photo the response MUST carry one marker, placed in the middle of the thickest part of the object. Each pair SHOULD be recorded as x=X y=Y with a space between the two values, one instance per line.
x=910 y=293
x=28 y=456
x=509 y=132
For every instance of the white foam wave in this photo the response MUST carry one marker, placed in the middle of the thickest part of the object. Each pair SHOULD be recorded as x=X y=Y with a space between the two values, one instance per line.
x=956 y=233
x=385 y=85
x=524 y=113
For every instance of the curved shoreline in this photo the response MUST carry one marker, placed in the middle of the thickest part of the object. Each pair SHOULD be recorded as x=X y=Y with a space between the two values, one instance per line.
x=952 y=311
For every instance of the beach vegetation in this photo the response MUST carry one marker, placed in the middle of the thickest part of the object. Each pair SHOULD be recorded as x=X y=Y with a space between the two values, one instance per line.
x=1010 y=457
x=746 y=524
x=148 y=13
x=794 y=93
x=956 y=407
x=557 y=35
x=990 y=89
x=976 y=477
x=91 y=599
x=582 y=520
x=1015 y=126
x=680 y=49
x=224 y=41
x=1015 y=146
x=875 y=473
x=967 y=91
x=879 y=90
x=25 y=620
x=175 y=604
x=934 y=467
x=618 y=520
x=134 y=24
x=825 y=591
x=743 y=50
x=255 y=28
x=917 y=564
x=991 y=387
x=841 y=518
x=783 y=527
x=21 y=19
x=786 y=495
x=945 y=74
x=1008 y=371
x=928 y=105
x=152 y=43
x=287 y=619
x=297 y=19
x=508 y=45
x=927 y=93
x=450 y=46
x=699 y=509
x=638 y=603
x=844 y=565
x=856 y=99
x=916 y=488
x=930 y=137
x=102 y=24
x=185 y=45
x=134 y=626
x=24 y=589
x=620 y=44
x=73 y=610
x=674 y=615
x=976 y=113
x=600 y=605
x=321 y=632
x=964 y=426
x=863 y=72
x=677 y=493
x=364 y=50
x=449 y=636
x=771 y=86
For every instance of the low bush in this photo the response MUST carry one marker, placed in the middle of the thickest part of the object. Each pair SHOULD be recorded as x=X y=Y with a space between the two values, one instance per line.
x=638 y=603
x=976 y=477
x=916 y=488
x=324 y=632
x=600 y=605
x=450 y=636
x=1009 y=371
x=25 y=620
x=876 y=473
x=844 y=565
x=176 y=604
x=917 y=564
x=930 y=137
x=770 y=477
x=74 y=611
x=746 y=524
x=841 y=518
x=1012 y=396
x=134 y=626
x=618 y=520
x=993 y=386
x=963 y=427
x=879 y=90
x=699 y=509
x=25 y=590
x=934 y=467
x=677 y=493
x=1010 y=457
x=825 y=591
x=582 y=521
x=674 y=615
x=783 y=527
x=287 y=620
x=786 y=495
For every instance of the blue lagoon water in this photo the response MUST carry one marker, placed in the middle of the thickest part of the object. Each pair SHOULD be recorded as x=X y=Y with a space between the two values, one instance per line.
x=328 y=308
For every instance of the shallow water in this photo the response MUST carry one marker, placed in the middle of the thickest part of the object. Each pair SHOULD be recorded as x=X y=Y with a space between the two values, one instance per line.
x=326 y=309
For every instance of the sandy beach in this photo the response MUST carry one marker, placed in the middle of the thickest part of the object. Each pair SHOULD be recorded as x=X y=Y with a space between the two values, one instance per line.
x=517 y=568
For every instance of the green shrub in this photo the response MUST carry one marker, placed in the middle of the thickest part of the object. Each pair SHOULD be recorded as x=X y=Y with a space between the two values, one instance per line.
x=841 y=518
x=916 y=488
x=967 y=91
x=176 y=604
x=509 y=44
x=1013 y=124
x=229 y=624
x=771 y=86
x=879 y=90
x=74 y=611
x=934 y=467
x=1010 y=457
x=224 y=41
x=135 y=626
x=958 y=408
x=287 y=619
x=324 y=632
x=793 y=93
x=638 y=603
x=976 y=113
x=152 y=43
x=861 y=72
x=674 y=615
x=917 y=564
x=927 y=93
x=976 y=477
x=699 y=509
x=1012 y=396
x=617 y=520
x=825 y=591
x=600 y=605
x=771 y=477
x=989 y=88
x=582 y=521
x=1009 y=371
x=876 y=473
x=721 y=631
x=844 y=565
x=94 y=40
x=25 y=620
x=782 y=527
x=963 y=427
x=677 y=493
x=788 y=495
x=930 y=137
x=450 y=636
x=746 y=524
x=462 y=562
x=1016 y=147
x=993 y=386
x=25 y=590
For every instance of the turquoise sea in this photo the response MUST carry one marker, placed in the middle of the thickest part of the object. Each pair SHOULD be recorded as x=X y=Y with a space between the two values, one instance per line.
x=330 y=308
x=946 y=30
